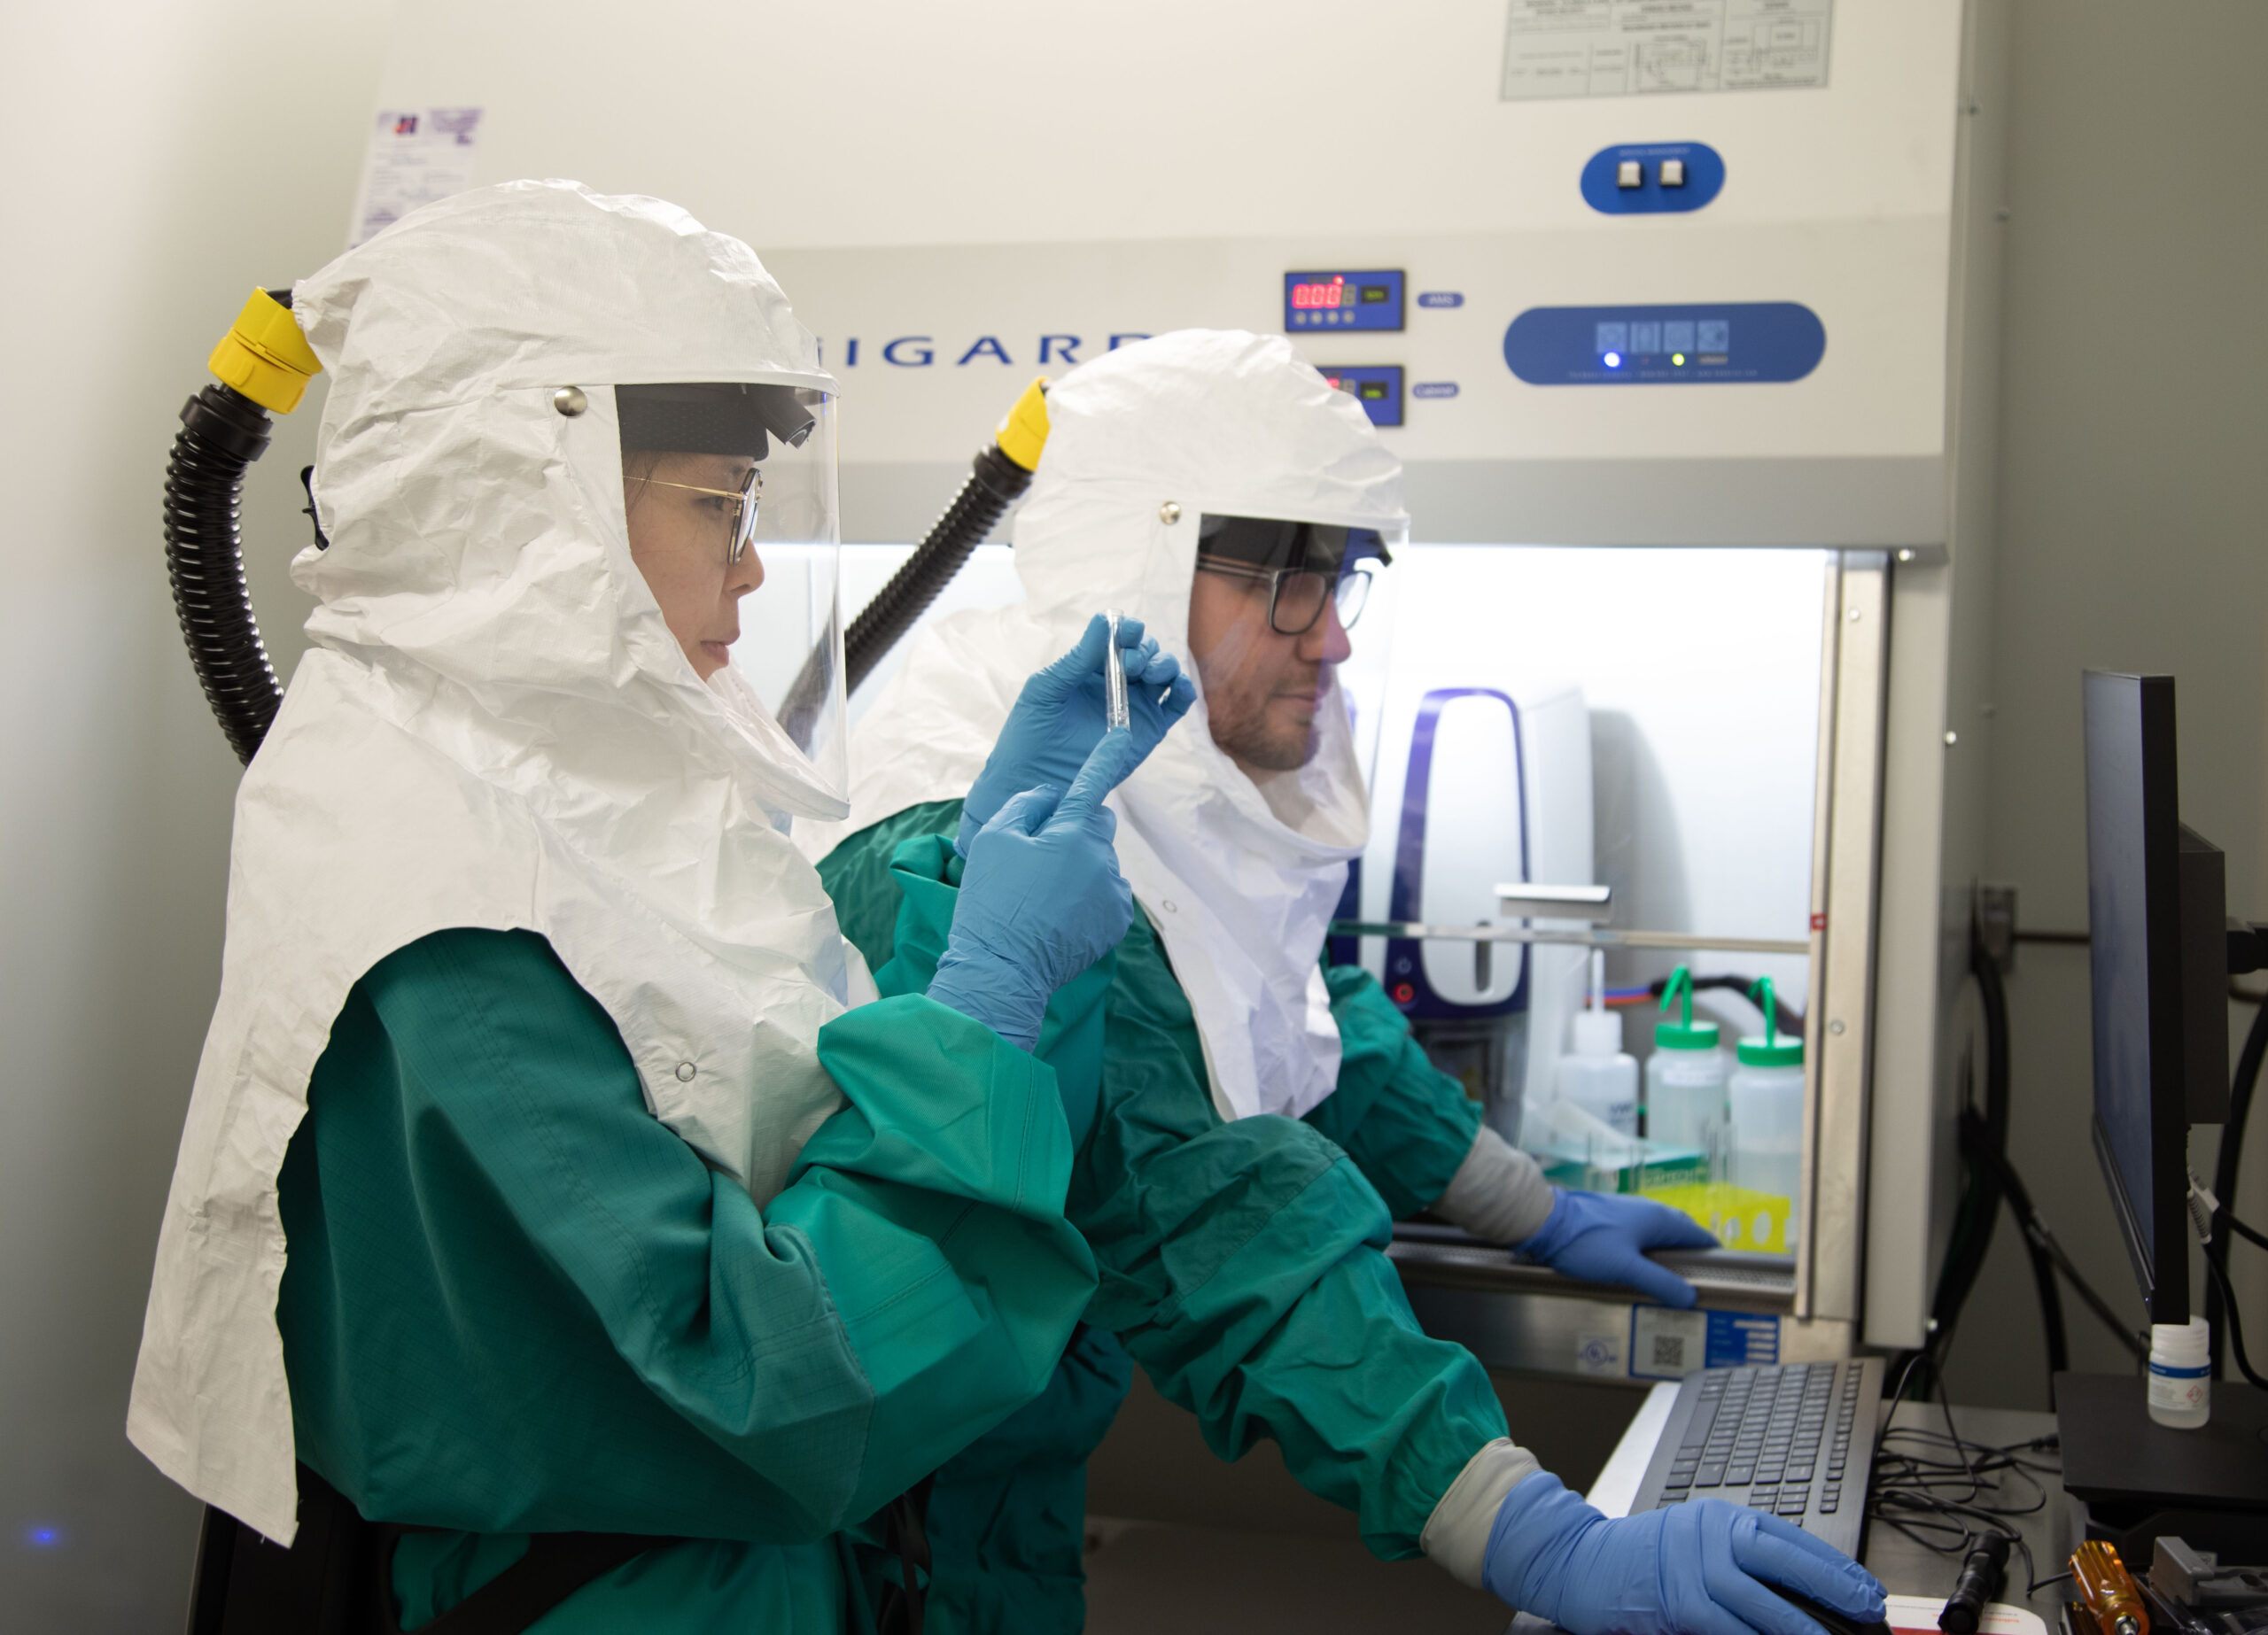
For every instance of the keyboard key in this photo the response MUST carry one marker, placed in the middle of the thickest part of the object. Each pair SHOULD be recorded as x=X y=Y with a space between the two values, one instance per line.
x=1710 y=1475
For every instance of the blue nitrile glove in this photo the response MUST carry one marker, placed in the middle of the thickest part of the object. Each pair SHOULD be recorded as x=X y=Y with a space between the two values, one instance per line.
x=1603 y=1236
x=1041 y=899
x=1060 y=714
x=1700 y=1567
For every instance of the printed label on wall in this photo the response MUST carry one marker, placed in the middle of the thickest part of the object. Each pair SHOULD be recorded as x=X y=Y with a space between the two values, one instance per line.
x=417 y=155
x=1637 y=48
x=1668 y=1345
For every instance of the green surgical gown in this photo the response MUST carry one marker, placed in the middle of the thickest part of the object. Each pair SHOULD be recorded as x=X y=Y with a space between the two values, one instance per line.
x=515 y=1301
x=1241 y=1261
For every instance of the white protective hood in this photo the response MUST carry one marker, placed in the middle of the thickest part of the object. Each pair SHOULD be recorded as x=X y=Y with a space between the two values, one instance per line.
x=1241 y=882
x=494 y=728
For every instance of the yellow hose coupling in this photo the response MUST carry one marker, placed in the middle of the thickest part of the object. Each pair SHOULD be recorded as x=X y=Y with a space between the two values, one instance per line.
x=1024 y=433
x=264 y=356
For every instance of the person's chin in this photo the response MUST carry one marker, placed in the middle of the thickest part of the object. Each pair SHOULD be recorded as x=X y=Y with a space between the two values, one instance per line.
x=1286 y=748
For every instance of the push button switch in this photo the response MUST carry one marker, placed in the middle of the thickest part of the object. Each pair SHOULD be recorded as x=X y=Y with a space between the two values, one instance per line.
x=1673 y=173
x=1630 y=174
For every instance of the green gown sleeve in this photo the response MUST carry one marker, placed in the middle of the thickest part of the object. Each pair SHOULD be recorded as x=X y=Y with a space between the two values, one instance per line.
x=1405 y=1124
x=516 y=1301
x=1241 y=1261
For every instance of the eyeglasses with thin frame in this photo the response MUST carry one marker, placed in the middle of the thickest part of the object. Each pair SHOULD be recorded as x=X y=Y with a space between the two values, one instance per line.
x=741 y=517
x=1296 y=595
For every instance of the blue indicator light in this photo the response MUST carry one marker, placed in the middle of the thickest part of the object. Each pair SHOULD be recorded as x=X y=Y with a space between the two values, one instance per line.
x=1613 y=360
x=40 y=1538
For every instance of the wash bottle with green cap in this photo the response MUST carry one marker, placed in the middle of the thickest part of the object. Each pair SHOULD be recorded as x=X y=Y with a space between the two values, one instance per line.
x=1765 y=1096
x=1685 y=1076
x=1596 y=1074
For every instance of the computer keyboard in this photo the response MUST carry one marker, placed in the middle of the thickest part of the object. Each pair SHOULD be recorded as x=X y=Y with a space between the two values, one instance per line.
x=1795 y=1439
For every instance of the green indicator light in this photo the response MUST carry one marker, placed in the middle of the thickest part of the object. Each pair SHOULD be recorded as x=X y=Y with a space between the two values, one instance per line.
x=1678 y=358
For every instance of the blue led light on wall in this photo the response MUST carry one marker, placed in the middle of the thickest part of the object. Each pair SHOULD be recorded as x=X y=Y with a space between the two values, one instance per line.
x=1688 y=346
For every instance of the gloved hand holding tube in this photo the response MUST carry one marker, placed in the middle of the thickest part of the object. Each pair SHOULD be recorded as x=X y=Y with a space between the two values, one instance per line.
x=1702 y=1568
x=1061 y=715
x=1041 y=898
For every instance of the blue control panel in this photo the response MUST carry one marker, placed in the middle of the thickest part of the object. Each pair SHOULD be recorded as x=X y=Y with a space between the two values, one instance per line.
x=1342 y=301
x=1726 y=342
x=1376 y=387
x=1649 y=178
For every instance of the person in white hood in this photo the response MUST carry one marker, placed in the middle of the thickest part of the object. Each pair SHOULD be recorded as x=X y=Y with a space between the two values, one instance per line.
x=1261 y=1117
x=554 y=1186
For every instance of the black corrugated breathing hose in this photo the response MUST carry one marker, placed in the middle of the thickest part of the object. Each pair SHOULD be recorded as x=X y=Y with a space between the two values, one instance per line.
x=997 y=479
x=222 y=432
x=995 y=483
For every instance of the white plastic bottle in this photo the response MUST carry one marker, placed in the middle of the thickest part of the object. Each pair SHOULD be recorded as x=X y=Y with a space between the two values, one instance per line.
x=2181 y=1385
x=1685 y=1077
x=1766 y=1099
x=1597 y=1075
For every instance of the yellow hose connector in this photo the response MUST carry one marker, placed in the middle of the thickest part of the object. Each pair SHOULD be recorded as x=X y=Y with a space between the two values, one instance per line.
x=1024 y=433
x=264 y=356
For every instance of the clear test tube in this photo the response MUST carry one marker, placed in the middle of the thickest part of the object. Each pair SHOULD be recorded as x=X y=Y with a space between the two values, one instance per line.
x=1113 y=673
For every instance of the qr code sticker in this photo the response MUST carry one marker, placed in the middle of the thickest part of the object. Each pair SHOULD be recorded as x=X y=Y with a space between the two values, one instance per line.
x=1669 y=1351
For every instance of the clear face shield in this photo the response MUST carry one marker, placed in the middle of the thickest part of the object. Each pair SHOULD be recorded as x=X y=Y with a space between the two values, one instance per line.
x=730 y=493
x=1284 y=615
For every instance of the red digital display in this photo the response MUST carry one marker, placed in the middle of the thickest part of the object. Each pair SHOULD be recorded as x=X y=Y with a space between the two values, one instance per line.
x=1331 y=294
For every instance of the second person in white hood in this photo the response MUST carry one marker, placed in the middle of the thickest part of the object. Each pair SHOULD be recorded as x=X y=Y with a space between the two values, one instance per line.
x=1261 y=1118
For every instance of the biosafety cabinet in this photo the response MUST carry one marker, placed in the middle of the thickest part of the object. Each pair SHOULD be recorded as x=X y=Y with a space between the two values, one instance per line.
x=1682 y=320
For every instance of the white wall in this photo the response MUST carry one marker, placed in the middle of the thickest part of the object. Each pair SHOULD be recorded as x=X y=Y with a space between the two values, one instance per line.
x=166 y=157
x=2132 y=494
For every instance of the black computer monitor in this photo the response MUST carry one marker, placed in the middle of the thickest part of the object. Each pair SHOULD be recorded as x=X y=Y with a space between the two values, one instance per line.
x=2158 y=950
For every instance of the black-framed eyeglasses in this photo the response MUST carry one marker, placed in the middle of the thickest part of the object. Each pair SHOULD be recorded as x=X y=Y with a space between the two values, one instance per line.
x=1297 y=596
x=740 y=514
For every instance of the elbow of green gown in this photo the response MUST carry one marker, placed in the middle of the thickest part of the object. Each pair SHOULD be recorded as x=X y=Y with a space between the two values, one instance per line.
x=1407 y=1125
x=940 y=1230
